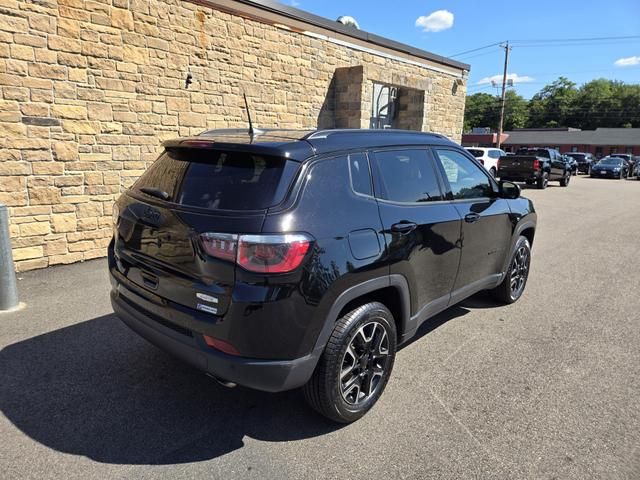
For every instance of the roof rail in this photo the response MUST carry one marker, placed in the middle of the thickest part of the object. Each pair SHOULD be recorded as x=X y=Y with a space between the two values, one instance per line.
x=245 y=131
x=361 y=131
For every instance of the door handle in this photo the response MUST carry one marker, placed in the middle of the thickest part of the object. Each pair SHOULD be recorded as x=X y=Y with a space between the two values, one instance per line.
x=471 y=217
x=403 y=227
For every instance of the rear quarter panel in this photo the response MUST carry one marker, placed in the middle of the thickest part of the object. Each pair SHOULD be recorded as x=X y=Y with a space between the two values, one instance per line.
x=327 y=208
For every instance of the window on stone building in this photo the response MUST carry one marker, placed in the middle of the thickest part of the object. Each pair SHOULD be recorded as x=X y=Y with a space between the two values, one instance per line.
x=396 y=107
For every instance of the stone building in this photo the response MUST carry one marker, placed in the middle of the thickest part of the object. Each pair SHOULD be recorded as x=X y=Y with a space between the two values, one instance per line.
x=90 y=88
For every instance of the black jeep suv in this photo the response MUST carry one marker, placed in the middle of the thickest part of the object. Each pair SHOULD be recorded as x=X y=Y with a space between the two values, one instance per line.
x=303 y=259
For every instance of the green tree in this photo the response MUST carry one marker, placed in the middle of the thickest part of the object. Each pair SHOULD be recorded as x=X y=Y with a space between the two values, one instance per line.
x=516 y=111
x=481 y=110
x=553 y=105
x=607 y=103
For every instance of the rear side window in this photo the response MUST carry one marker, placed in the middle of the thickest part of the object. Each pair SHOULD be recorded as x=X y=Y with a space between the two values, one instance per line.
x=360 y=176
x=219 y=180
x=407 y=176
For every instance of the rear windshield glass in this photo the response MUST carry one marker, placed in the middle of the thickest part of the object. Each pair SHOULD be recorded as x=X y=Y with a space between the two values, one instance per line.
x=475 y=153
x=577 y=156
x=218 y=180
x=538 y=152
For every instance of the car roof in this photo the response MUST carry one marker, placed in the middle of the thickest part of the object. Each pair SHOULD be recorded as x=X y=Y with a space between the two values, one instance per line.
x=302 y=144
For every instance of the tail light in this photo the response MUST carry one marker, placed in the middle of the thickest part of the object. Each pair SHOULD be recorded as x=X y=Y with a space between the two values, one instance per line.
x=481 y=161
x=280 y=253
x=220 y=245
x=536 y=164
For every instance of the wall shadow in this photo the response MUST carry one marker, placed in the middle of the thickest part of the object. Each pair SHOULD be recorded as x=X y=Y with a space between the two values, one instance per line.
x=326 y=116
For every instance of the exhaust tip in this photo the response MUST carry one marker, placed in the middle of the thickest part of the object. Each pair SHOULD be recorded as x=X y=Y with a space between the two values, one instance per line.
x=224 y=383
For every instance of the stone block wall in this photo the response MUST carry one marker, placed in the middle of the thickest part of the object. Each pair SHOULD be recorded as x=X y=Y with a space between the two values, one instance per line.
x=90 y=88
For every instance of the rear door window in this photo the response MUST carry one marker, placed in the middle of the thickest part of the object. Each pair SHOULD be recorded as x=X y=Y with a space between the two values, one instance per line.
x=218 y=180
x=475 y=152
x=406 y=176
x=465 y=178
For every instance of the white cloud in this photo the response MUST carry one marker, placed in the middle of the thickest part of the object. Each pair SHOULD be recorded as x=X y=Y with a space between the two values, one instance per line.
x=627 y=61
x=510 y=76
x=436 y=21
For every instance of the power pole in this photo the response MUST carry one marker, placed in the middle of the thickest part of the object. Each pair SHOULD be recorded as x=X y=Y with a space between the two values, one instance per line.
x=504 y=90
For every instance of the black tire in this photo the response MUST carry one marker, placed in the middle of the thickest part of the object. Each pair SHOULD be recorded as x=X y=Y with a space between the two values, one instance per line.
x=543 y=181
x=325 y=391
x=564 y=181
x=516 y=271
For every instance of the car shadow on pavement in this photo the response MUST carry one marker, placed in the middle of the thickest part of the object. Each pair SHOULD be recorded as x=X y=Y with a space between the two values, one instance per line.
x=98 y=390
x=481 y=299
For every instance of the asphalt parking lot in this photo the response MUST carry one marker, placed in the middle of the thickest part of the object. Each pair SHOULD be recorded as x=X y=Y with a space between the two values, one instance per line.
x=548 y=388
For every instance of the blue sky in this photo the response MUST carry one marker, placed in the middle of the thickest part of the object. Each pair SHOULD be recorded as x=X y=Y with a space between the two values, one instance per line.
x=461 y=25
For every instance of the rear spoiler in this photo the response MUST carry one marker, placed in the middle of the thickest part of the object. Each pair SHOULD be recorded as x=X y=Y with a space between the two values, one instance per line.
x=297 y=151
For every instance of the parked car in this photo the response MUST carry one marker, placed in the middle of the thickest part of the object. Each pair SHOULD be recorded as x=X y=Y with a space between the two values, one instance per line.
x=303 y=259
x=573 y=164
x=610 y=167
x=488 y=157
x=637 y=167
x=584 y=159
x=627 y=157
x=535 y=165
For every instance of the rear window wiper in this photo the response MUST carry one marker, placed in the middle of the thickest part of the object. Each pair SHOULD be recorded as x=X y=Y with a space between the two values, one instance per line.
x=155 y=192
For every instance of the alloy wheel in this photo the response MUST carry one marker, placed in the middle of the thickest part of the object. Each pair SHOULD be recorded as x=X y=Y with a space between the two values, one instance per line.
x=364 y=363
x=519 y=271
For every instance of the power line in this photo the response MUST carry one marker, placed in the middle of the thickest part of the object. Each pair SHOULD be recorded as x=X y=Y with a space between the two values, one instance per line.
x=561 y=45
x=584 y=39
x=548 y=41
x=475 y=49
x=492 y=52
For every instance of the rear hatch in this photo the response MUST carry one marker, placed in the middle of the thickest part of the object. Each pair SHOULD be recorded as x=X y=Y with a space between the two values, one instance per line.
x=186 y=193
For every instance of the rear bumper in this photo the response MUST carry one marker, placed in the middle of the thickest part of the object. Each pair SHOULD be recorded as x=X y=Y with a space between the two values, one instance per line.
x=266 y=375
x=518 y=176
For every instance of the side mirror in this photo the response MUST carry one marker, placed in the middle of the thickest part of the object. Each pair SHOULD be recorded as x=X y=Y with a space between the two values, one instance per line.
x=509 y=190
